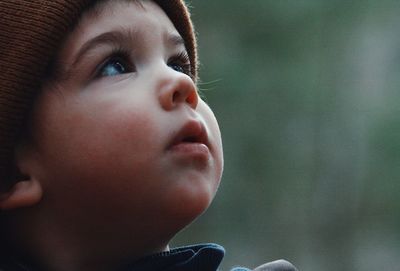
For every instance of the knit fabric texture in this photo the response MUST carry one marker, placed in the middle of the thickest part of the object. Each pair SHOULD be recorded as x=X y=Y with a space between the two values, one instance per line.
x=31 y=32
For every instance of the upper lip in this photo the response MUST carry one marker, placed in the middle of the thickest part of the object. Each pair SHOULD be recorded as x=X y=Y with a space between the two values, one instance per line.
x=192 y=131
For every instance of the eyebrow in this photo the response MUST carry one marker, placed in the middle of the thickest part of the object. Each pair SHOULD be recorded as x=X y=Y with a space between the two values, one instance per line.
x=174 y=39
x=113 y=38
x=120 y=36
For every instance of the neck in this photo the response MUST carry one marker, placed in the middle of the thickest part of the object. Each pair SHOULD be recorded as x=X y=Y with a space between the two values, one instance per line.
x=56 y=248
x=63 y=255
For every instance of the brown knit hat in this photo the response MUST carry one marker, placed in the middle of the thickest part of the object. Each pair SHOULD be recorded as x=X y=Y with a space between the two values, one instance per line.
x=31 y=32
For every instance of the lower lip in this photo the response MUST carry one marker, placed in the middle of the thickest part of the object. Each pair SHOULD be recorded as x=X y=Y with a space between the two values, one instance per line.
x=195 y=150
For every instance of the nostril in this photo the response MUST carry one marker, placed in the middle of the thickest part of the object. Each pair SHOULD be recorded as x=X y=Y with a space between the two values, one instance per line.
x=179 y=97
x=176 y=96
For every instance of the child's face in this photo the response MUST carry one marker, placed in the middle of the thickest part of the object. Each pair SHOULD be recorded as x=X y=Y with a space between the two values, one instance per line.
x=122 y=139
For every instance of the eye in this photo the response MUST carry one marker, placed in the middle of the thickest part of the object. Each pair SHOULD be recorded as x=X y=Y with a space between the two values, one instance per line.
x=112 y=67
x=180 y=63
x=115 y=65
x=178 y=68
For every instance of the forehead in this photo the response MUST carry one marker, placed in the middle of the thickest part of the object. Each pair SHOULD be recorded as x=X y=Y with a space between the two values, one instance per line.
x=121 y=16
x=125 y=14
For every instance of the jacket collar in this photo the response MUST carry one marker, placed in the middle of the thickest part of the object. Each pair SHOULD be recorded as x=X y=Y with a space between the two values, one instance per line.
x=202 y=257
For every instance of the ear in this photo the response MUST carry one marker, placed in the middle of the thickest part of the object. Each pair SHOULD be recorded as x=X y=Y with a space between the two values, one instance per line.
x=26 y=190
x=22 y=194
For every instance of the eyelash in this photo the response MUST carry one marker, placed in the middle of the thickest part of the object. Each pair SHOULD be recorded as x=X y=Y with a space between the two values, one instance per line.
x=179 y=62
x=182 y=60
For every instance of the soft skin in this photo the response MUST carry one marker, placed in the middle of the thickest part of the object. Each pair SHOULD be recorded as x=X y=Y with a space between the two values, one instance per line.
x=103 y=184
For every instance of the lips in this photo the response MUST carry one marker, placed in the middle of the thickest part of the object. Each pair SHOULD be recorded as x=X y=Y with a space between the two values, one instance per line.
x=191 y=140
x=192 y=132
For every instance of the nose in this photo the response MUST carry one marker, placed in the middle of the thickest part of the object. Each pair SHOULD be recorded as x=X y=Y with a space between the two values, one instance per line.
x=177 y=89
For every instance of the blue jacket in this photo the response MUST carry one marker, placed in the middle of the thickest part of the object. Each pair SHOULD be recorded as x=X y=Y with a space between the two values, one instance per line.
x=202 y=257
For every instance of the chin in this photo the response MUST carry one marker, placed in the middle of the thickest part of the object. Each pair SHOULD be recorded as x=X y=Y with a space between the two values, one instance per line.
x=191 y=200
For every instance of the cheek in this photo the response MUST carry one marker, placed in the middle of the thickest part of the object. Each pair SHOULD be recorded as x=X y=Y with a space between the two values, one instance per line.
x=214 y=133
x=83 y=140
x=101 y=155
x=215 y=137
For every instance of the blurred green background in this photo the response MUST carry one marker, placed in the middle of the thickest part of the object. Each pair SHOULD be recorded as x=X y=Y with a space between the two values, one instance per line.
x=307 y=95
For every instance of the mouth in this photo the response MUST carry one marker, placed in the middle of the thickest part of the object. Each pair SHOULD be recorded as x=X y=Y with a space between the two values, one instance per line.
x=191 y=140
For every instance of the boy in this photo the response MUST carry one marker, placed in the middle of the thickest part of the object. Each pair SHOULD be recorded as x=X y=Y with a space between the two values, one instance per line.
x=107 y=149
